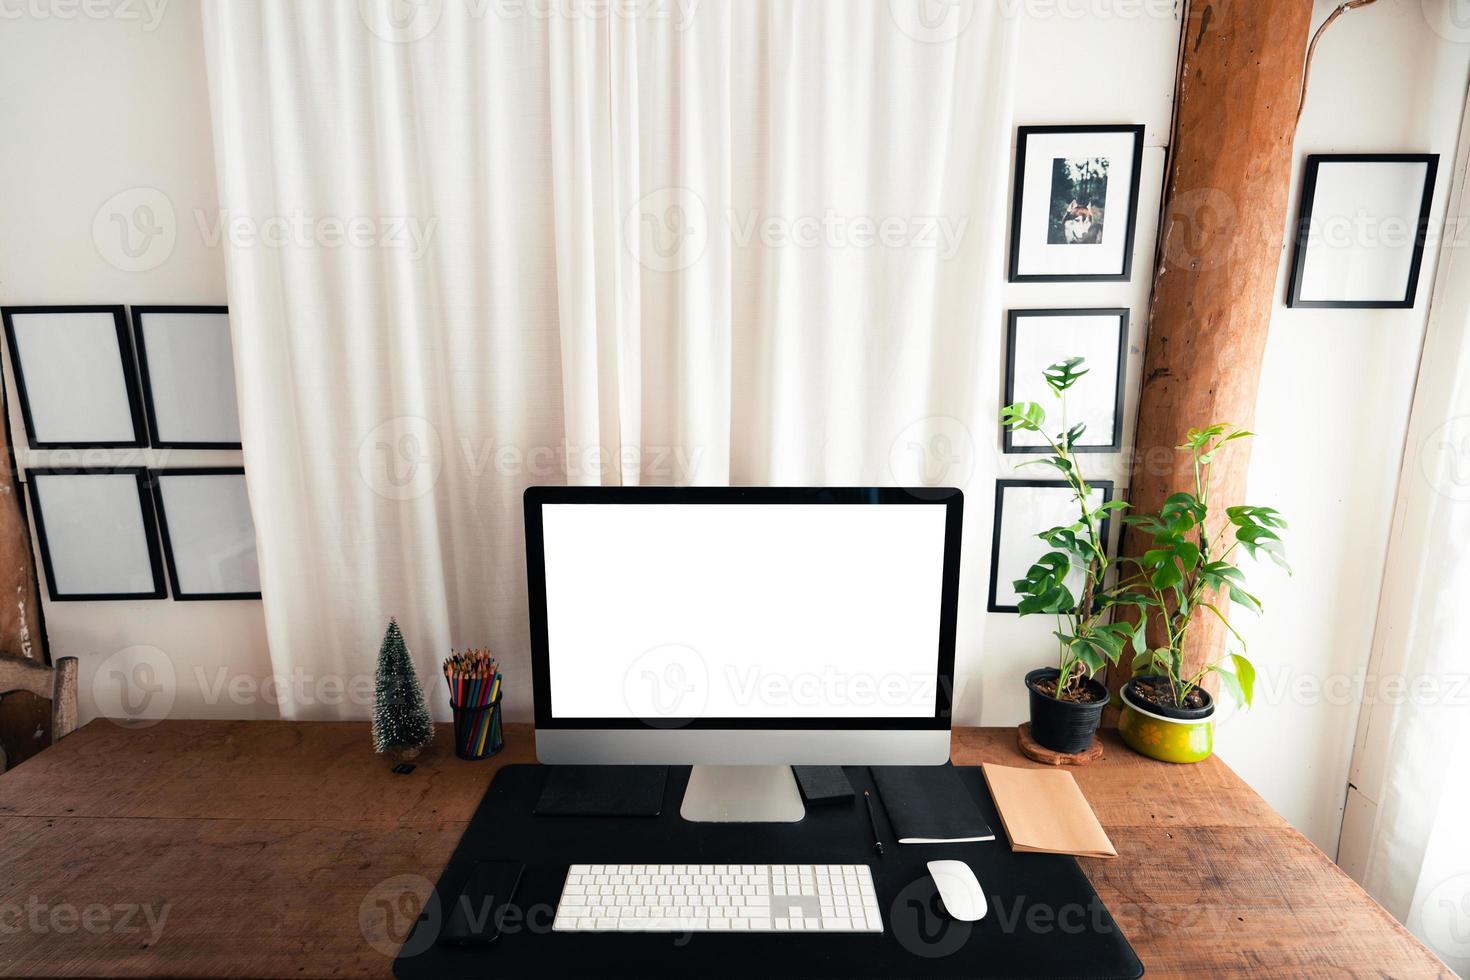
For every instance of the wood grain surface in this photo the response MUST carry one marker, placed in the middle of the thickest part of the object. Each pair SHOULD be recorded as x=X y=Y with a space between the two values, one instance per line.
x=276 y=849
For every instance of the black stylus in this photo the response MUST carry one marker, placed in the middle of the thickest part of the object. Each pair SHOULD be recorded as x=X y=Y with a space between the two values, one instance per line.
x=873 y=822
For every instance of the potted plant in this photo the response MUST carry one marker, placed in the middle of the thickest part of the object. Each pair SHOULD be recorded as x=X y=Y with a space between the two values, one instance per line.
x=1067 y=700
x=1167 y=714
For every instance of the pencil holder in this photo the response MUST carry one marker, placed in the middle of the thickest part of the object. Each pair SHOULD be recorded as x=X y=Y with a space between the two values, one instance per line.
x=477 y=731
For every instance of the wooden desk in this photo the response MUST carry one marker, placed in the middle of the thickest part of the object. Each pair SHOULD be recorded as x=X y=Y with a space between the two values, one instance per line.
x=273 y=849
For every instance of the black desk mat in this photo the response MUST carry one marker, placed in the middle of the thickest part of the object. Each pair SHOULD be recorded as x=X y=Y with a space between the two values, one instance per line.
x=1044 y=918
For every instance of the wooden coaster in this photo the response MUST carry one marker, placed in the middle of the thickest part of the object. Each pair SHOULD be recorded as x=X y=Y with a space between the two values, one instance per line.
x=1037 y=752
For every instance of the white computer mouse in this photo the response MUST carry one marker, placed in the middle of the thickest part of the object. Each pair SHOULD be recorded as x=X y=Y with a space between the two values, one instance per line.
x=958 y=890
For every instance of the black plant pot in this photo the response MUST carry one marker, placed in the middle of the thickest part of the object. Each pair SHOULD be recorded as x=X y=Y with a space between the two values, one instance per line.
x=1063 y=726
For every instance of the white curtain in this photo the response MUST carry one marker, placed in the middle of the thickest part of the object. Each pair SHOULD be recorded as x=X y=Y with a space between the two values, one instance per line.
x=476 y=246
x=1410 y=760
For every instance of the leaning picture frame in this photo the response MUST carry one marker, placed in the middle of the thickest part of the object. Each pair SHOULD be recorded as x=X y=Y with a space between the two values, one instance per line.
x=75 y=376
x=208 y=532
x=187 y=370
x=96 y=534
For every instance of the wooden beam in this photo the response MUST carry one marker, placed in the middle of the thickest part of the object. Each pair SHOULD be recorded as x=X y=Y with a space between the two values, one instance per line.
x=22 y=631
x=1225 y=198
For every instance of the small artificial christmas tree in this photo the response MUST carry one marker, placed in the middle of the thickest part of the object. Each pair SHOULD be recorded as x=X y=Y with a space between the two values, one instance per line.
x=401 y=722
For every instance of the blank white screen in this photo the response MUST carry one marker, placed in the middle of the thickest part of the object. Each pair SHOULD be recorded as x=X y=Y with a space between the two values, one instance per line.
x=743 y=610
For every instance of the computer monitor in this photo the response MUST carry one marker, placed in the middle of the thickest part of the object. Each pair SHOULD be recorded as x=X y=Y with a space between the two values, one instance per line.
x=743 y=630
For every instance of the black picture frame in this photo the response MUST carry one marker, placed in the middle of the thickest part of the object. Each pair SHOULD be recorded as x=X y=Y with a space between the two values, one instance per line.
x=139 y=314
x=1302 y=238
x=537 y=496
x=1001 y=486
x=150 y=531
x=1018 y=198
x=1008 y=394
x=156 y=478
x=130 y=378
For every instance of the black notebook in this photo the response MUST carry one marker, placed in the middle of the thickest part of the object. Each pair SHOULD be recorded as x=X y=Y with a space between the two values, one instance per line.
x=930 y=805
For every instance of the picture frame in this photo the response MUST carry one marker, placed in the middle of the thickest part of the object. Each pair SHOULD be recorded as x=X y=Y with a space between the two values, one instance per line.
x=1069 y=196
x=1395 y=192
x=187 y=369
x=1038 y=338
x=96 y=533
x=75 y=376
x=1014 y=547
x=208 y=532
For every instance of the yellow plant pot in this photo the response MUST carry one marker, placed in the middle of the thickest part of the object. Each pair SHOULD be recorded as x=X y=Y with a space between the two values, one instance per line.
x=1166 y=739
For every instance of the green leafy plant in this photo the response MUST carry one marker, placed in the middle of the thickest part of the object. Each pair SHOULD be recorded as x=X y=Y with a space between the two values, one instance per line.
x=1186 y=569
x=1086 y=642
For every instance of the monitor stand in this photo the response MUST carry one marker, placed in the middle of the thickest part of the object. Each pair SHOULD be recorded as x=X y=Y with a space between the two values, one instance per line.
x=742 y=794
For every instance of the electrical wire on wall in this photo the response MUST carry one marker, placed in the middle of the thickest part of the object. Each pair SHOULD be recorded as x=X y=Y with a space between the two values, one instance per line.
x=1342 y=8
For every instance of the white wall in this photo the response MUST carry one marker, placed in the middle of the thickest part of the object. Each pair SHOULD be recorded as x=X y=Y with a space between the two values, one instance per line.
x=1141 y=91
x=1331 y=419
x=103 y=115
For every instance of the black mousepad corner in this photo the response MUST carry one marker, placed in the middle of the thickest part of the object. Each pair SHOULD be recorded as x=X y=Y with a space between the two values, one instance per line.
x=1044 y=918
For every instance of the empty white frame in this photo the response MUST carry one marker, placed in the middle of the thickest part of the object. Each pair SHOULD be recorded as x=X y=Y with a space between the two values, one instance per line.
x=74 y=374
x=1024 y=509
x=188 y=368
x=96 y=533
x=208 y=533
x=1037 y=339
x=1361 y=230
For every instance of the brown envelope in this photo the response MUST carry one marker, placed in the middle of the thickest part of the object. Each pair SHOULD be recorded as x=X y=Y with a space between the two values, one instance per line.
x=1044 y=812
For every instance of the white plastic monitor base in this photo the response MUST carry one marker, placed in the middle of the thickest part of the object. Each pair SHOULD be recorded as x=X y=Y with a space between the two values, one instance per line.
x=742 y=794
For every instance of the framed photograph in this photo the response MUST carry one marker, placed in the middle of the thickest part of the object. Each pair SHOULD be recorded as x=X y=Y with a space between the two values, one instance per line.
x=1023 y=509
x=1361 y=229
x=208 y=533
x=1037 y=339
x=188 y=369
x=96 y=533
x=74 y=374
x=1076 y=203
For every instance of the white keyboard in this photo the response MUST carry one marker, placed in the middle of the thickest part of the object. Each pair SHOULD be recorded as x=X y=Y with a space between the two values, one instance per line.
x=718 y=898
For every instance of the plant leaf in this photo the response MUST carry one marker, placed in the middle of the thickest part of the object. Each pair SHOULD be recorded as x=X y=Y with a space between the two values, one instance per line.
x=1243 y=598
x=1028 y=416
x=1230 y=683
x=1167 y=575
x=1061 y=376
x=1245 y=671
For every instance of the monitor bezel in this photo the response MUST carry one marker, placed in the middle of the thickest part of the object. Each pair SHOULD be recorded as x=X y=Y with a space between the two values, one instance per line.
x=950 y=498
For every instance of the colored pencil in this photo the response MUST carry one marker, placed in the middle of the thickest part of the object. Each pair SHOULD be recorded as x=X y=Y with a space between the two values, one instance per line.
x=474 y=680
